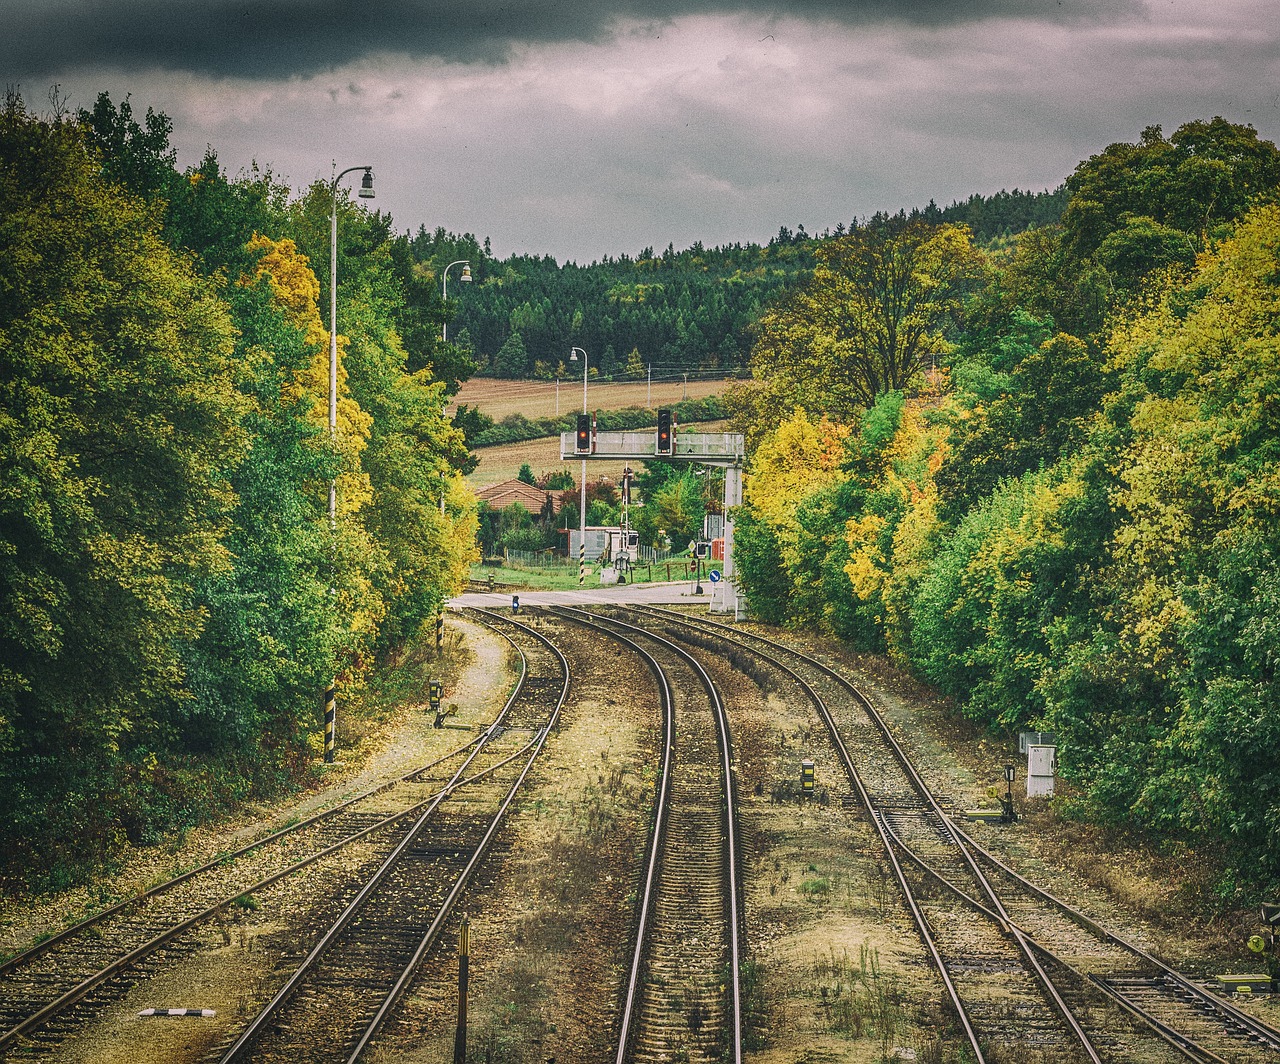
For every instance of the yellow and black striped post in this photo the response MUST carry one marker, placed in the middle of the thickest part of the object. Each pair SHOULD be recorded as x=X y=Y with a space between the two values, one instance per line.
x=439 y=633
x=330 y=724
x=464 y=957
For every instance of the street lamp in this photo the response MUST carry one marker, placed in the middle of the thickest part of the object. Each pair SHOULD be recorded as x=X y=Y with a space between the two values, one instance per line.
x=444 y=288
x=366 y=192
x=582 y=505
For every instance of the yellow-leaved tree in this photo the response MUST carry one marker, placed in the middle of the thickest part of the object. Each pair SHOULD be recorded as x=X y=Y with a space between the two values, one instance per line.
x=799 y=458
x=893 y=538
x=297 y=291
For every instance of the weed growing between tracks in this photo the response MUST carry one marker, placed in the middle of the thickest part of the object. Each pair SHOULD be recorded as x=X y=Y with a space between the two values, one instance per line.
x=860 y=1000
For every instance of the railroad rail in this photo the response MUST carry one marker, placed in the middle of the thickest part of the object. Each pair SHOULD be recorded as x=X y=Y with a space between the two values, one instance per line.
x=85 y=965
x=1077 y=963
x=50 y=989
x=677 y=998
x=342 y=992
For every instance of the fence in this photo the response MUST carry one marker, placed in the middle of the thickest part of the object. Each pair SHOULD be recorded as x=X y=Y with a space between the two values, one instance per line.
x=549 y=559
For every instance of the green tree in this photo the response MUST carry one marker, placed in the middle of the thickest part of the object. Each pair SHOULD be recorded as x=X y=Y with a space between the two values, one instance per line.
x=120 y=422
x=512 y=360
x=872 y=316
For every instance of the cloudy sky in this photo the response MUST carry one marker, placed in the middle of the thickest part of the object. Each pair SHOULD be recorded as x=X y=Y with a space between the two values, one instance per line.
x=595 y=127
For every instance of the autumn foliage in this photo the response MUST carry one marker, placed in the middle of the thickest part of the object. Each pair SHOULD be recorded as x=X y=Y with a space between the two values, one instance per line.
x=1075 y=524
x=175 y=595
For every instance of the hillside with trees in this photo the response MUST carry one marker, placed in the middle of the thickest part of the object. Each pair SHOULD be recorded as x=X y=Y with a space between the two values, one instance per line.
x=1043 y=477
x=691 y=311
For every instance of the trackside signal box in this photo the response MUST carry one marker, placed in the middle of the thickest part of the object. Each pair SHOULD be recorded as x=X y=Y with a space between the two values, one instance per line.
x=666 y=438
x=582 y=439
x=806 y=779
x=435 y=692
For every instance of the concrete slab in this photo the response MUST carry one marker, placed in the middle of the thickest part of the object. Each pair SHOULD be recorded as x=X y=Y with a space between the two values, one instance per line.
x=626 y=594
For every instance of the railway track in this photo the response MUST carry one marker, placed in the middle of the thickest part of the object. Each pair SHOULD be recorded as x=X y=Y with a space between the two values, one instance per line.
x=1033 y=977
x=682 y=997
x=334 y=1001
x=50 y=990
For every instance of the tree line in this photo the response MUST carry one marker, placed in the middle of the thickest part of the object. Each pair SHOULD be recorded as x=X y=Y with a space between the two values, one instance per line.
x=1043 y=476
x=677 y=311
x=176 y=596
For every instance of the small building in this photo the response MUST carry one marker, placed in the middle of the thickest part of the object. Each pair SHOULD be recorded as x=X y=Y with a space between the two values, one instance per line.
x=599 y=539
x=510 y=492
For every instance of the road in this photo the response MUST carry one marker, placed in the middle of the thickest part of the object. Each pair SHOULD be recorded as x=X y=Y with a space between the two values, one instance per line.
x=678 y=591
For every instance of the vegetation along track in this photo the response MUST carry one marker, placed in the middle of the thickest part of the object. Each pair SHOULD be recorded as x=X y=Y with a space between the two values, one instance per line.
x=51 y=988
x=341 y=993
x=682 y=998
x=1053 y=984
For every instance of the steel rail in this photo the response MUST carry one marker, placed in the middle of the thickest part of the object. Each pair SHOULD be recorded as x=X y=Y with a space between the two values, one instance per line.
x=250 y=1034
x=428 y=939
x=1186 y=1046
x=726 y=765
x=39 y=948
x=913 y=904
x=127 y=960
x=144 y=950
x=661 y=800
x=1254 y=1028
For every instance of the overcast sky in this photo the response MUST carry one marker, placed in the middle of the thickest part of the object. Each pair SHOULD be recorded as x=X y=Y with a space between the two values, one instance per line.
x=580 y=129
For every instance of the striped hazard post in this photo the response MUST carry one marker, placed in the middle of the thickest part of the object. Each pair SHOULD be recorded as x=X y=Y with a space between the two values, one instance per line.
x=582 y=562
x=330 y=724
x=439 y=633
x=204 y=1013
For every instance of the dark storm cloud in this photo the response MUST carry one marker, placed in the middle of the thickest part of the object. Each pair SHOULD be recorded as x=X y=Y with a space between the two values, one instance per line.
x=270 y=39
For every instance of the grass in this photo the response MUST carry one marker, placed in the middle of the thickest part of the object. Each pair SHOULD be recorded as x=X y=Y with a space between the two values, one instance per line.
x=536 y=399
x=562 y=579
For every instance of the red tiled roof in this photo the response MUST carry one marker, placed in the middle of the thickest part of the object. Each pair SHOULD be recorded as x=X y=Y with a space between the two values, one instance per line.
x=509 y=492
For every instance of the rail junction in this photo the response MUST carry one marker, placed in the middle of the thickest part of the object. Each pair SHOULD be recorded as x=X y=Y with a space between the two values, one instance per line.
x=1022 y=974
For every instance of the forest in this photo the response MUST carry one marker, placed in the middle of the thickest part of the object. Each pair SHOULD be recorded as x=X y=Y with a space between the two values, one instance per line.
x=1041 y=474
x=176 y=597
x=1026 y=445
x=691 y=311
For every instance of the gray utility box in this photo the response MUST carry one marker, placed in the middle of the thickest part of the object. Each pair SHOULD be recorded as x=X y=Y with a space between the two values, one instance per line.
x=1034 y=738
x=1042 y=763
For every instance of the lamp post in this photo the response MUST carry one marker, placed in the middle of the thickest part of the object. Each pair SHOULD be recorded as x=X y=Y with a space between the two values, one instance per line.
x=444 y=288
x=366 y=192
x=582 y=504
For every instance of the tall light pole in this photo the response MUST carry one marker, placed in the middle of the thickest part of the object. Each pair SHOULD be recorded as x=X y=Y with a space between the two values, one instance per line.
x=582 y=504
x=444 y=288
x=366 y=192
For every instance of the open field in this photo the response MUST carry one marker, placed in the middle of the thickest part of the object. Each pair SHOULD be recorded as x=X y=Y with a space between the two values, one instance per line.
x=538 y=398
x=503 y=462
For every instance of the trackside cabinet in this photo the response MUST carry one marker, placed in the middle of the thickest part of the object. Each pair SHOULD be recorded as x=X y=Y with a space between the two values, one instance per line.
x=1042 y=764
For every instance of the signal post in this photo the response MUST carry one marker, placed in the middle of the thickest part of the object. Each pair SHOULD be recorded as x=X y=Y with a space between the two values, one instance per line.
x=724 y=450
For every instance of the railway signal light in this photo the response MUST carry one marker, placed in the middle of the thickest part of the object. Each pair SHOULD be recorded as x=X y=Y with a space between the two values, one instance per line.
x=1007 y=813
x=806 y=778
x=665 y=439
x=582 y=441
